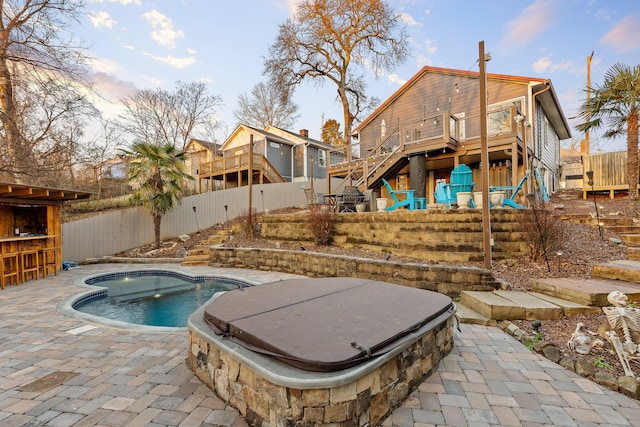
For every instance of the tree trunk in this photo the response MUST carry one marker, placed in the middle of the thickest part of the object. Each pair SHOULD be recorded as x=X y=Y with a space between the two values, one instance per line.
x=8 y=118
x=348 y=119
x=156 y=229
x=632 y=154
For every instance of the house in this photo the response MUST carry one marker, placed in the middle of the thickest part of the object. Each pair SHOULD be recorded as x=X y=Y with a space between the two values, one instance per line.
x=278 y=156
x=199 y=152
x=432 y=124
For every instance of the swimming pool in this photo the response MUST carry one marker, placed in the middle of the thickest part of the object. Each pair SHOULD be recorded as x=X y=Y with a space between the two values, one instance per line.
x=150 y=297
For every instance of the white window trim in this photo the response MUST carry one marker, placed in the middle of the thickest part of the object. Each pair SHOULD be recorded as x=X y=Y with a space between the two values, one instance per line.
x=322 y=158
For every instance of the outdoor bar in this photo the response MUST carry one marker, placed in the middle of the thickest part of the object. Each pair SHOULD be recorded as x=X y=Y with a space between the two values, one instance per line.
x=31 y=231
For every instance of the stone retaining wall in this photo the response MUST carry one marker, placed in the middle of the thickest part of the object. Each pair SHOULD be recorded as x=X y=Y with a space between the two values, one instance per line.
x=433 y=235
x=450 y=280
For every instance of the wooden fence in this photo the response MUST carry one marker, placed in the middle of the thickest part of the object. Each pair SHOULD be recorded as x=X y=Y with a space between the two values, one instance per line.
x=114 y=232
x=609 y=172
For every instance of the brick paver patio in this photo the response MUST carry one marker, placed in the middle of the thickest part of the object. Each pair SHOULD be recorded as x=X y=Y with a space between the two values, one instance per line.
x=57 y=370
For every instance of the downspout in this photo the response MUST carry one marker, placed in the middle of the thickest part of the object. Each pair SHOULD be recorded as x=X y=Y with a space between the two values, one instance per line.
x=533 y=113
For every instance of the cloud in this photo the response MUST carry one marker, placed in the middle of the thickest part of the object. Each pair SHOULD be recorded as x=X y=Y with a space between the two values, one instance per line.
x=430 y=47
x=625 y=35
x=395 y=79
x=603 y=14
x=174 y=61
x=545 y=64
x=290 y=5
x=112 y=88
x=407 y=19
x=533 y=20
x=101 y=19
x=424 y=60
x=163 y=33
x=102 y=65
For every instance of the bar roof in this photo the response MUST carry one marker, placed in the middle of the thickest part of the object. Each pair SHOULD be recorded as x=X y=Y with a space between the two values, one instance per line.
x=28 y=193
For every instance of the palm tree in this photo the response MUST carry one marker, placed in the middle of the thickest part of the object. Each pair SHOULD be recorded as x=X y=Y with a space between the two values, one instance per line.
x=156 y=175
x=615 y=105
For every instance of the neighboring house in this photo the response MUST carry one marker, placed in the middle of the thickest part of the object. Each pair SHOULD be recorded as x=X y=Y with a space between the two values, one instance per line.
x=432 y=124
x=572 y=171
x=198 y=153
x=279 y=156
x=115 y=168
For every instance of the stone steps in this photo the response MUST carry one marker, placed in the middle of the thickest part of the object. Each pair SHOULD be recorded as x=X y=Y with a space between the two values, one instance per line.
x=519 y=305
x=591 y=292
x=632 y=240
x=623 y=229
x=553 y=298
x=633 y=254
x=622 y=270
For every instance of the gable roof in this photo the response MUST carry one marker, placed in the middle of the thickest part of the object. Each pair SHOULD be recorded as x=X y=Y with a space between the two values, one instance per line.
x=211 y=146
x=559 y=121
x=285 y=137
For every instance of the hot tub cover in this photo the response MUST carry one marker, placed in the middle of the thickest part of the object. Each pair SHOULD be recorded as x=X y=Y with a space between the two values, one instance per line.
x=326 y=324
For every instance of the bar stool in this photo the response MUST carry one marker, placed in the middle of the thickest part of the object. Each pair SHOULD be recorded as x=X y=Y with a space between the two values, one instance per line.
x=47 y=258
x=29 y=264
x=9 y=269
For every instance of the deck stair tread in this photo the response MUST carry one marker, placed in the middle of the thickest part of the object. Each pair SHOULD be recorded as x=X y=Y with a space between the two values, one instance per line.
x=590 y=292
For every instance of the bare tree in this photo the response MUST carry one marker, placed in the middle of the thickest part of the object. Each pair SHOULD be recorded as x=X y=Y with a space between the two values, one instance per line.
x=174 y=117
x=101 y=149
x=39 y=60
x=268 y=105
x=336 y=40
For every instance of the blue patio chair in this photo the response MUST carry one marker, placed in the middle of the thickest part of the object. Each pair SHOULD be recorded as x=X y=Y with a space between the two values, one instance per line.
x=510 y=200
x=443 y=193
x=461 y=179
x=408 y=201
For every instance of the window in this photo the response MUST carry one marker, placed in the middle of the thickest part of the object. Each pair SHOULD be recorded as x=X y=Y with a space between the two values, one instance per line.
x=322 y=158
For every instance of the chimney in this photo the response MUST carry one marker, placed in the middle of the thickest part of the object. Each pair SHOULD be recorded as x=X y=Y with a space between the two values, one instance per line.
x=304 y=132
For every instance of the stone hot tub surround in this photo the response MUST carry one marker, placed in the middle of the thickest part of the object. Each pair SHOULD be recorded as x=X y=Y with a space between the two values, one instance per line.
x=267 y=391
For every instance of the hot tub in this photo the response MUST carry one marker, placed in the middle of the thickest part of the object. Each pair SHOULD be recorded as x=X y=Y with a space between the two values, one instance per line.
x=330 y=350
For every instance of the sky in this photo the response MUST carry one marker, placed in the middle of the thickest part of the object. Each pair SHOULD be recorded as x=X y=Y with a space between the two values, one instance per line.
x=140 y=44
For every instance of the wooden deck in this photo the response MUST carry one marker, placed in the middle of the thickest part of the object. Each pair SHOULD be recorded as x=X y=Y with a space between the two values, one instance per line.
x=233 y=171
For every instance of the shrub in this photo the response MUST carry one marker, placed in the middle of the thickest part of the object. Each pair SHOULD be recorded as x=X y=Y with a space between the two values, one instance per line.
x=249 y=222
x=321 y=221
x=543 y=229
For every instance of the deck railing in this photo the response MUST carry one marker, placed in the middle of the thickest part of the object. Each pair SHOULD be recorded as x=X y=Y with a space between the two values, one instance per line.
x=441 y=131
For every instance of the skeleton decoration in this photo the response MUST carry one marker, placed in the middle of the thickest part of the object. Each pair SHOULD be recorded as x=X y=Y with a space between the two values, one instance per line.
x=627 y=319
x=579 y=341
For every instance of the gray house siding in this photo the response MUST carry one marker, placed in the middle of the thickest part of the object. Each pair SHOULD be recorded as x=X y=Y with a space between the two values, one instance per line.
x=280 y=155
x=547 y=147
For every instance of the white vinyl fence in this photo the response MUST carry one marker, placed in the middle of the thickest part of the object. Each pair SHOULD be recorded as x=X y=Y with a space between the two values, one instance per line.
x=124 y=229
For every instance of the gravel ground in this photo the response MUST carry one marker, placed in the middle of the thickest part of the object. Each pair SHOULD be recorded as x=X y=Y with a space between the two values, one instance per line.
x=580 y=248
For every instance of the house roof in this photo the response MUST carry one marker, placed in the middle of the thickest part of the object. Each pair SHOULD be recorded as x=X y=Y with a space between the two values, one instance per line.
x=211 y=146
x=548 y=98
x=31 y=193
x=289 y=138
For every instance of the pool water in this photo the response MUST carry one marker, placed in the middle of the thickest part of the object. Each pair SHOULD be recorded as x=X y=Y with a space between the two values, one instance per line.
x=152 y=299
